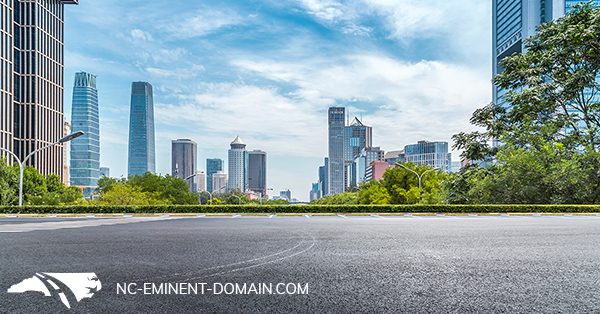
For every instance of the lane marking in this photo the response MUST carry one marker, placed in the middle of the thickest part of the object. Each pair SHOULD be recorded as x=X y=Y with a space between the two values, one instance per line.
x=69 y=224
x=307 y=216
x=271 y=216
x=342 y=216
x=200 y=216
x=236 y=216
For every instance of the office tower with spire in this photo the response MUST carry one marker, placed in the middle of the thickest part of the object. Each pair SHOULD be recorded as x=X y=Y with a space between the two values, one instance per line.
x=85 y=150
x=238 y=166
x=141 y=154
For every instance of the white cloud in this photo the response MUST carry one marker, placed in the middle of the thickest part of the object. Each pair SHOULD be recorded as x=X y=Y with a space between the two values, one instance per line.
x=140 y=35
x=410 y=101
x=203 y=22
x=324 y=9
x=177 y=73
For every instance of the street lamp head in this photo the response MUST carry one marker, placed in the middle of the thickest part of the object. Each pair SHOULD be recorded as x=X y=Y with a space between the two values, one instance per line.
x=70 y=137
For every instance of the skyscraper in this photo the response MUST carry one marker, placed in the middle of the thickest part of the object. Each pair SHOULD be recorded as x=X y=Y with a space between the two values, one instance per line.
x=286 y=195
x=32 y=80
x=432 y=154
x=336 y=150
x=141 y=130
x=357 y=137
x=515 y=20
x=184 y=154
x=238 y=166
x=85 y=150
x=257 y=172
x=324 y=177
x=213 y=165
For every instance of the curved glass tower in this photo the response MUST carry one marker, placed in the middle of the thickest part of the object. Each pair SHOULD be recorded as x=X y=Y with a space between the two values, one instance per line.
x=85 y=150
x=141 y=130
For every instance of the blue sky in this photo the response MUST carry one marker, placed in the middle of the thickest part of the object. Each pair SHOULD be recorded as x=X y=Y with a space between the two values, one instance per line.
x=268 y=70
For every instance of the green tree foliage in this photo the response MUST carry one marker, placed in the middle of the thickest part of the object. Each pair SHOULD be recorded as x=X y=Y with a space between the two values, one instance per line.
x=398 y=186
x=37 y=189
x=549 y=125
x=147 y=189
x=338 y=199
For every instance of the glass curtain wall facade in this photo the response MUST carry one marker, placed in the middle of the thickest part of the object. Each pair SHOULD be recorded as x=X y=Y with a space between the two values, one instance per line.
x=32 y=81
x=357 y=137
x=184 y=154
x=336 y=123
x=432 y=154
x=6 y=79
x=324 y=178
x=141 y=130
x=213 y=165
x=85 y=150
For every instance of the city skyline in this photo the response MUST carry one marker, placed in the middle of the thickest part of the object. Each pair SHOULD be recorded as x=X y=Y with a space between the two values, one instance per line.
x=390 y=78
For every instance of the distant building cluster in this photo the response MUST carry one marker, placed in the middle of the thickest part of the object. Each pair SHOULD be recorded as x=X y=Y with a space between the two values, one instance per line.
x=354 y=160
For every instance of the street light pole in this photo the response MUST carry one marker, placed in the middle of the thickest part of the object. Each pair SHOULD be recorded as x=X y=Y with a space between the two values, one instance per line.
x=419 y=176
x=23 y=162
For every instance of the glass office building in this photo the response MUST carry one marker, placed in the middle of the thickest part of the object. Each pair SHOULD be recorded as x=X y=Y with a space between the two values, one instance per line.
x=257 y=172
x=432 y=154
x=213 y=165
x=141 y=155
x=32 y=81
x=336 y=123
x=184 y=154
x=85 y=150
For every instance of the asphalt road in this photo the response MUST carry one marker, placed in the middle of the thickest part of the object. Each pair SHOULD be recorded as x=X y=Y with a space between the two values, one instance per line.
x=351 y=265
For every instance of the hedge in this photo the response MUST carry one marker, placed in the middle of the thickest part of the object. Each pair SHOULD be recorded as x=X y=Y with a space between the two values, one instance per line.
x=301 y=209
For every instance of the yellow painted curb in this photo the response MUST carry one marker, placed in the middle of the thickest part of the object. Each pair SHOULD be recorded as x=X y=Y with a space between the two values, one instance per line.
x=323 y=214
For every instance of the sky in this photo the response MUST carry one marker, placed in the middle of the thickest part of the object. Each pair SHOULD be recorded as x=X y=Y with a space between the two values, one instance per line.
x=268 y=70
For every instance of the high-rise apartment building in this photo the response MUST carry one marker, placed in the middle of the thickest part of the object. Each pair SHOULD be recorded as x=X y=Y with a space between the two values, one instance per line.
x=32 y=80
x=432 y=154
x=184 y=153
x=257 y=172
x=336 y=124
x=238 y=166
x=219 y=182
x=141 y=130
x=85 y=150
x=213 y=165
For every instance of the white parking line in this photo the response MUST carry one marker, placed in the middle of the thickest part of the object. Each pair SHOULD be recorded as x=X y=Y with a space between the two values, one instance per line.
x=307 y=216
x=271 y=216
x=200 y=216
x=236 y=216
x=342 y=216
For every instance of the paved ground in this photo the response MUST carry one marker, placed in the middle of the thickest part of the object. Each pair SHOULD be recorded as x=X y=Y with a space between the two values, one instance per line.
x=352 y=264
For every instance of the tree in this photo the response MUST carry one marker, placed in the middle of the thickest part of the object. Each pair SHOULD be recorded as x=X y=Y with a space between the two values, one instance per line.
x=9 y=182
x=346 y=198
x=374 y=193
x=553 y=94
x=126 y=194
x=549 y=122
x=403 y=185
